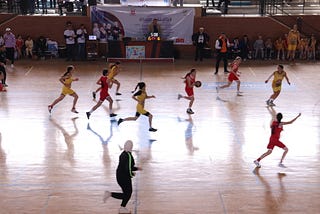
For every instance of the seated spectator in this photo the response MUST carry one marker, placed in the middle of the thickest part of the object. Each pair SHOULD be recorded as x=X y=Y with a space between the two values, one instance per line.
x=312 y=47
x=29 y=47
x=52 y=47
x=280 y=47
x=258 y=47
x=19 y=47
x=41 y=47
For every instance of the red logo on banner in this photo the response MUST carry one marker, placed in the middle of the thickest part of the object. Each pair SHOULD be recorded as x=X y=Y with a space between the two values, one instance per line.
x=179 y=40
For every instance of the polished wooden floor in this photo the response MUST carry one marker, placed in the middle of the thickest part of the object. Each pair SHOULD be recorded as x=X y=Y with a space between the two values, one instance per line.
x=193 y=164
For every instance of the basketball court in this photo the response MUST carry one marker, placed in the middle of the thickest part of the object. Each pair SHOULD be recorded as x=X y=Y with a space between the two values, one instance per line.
x=200 y=163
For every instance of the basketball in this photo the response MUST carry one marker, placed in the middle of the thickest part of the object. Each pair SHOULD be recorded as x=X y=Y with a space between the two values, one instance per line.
x=198 y=84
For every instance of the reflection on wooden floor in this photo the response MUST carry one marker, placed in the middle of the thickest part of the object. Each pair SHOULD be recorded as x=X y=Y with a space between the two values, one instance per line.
x=193 y=164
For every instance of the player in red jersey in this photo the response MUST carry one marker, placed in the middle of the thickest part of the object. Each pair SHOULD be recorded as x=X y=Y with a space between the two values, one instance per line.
x=189 y=80
x=104 y=94
x=276 y=128
x=233 y=76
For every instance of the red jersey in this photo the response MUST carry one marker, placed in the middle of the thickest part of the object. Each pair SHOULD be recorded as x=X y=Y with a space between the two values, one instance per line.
x=276 y=129
x=188 y=89
x=104 y=83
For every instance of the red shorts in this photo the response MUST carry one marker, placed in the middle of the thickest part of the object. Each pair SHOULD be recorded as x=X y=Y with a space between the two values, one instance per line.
x=189 y=91
x=232 y=77
x=275 y=142
x=103 y=95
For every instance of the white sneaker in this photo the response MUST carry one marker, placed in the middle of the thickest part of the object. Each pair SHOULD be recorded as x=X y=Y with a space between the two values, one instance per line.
x=282 y=165
x=106 y=195
x=257 y=163
x=124 y=210
x=239 y=93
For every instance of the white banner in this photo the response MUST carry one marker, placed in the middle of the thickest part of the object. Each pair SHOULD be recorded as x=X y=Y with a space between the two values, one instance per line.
x=145 y=2
x=176 y=23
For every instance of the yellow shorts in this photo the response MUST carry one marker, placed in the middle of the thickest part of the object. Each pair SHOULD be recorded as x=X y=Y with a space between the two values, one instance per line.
x=66 y=91
x=292 y=47
x=140 y=109
x=276 y=88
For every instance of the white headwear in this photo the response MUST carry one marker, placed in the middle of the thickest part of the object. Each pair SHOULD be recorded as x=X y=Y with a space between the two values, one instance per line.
x=8 y=29
x=128 y=146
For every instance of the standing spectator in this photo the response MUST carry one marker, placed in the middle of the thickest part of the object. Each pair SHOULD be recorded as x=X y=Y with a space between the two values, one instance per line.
x=29 y=47
x=60 y=6
x=10 y=43
x=109 y=32
x=70 y=36
x=19 y=46
x=117 y=31
x=81 y=38
x=258 y=47
x=244 y=47
x=222 y=45
x=200 y=39
x=154 y=27
x=44 y=6
x=96 y=30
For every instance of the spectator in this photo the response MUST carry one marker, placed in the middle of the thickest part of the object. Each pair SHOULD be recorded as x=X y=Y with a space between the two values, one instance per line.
x=81 y=39
x=70 y=36
x=258 y=47
x=19 y=47
x=244 y=47
x=117 y=31
x=312 y=47
x=96 y=30
x=200 y=39
x=41 y=47
x=29 y=47
x=10 y=44
x=279 y=46
x=154 y=27
x=222 y=45
x=269 y=48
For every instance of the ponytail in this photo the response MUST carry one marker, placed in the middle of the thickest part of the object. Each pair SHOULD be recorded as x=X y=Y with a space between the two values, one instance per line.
x=140 y=85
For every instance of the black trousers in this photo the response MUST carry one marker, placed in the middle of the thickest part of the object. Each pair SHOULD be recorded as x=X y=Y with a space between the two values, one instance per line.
x=224 y=57
x=126 y=185
x=199 y=52
x=70 y=51
x=10 y=54
x=3 y=72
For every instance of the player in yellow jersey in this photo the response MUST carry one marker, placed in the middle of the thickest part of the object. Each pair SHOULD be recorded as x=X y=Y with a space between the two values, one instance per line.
x=66 y=79
x=140 y=96
x=278 y=76
x=293 y=42
x=113 y=71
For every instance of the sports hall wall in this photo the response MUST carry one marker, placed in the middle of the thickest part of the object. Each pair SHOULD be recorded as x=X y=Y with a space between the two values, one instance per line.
x=53 y=27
